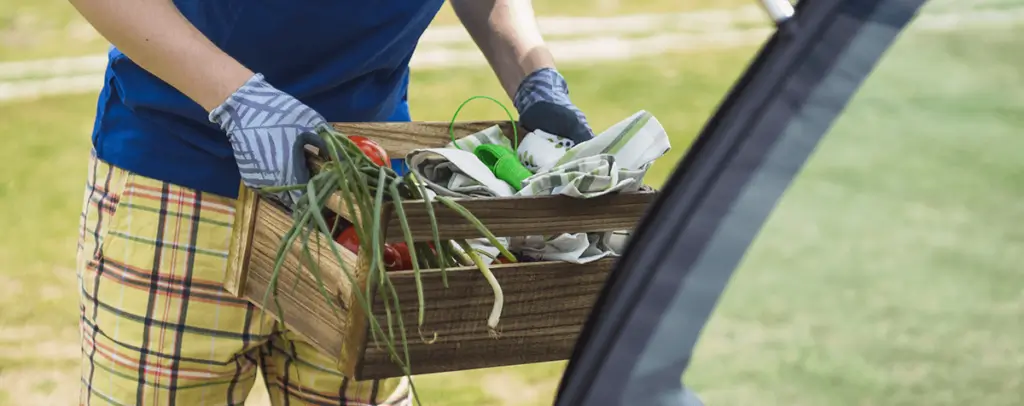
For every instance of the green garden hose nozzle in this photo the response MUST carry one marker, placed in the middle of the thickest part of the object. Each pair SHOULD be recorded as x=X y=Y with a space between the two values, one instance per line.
x=504 y=163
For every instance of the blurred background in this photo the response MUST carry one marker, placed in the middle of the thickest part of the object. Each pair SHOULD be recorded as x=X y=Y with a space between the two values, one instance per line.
x=891 y=273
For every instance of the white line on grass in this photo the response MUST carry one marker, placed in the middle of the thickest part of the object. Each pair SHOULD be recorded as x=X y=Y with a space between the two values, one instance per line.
x=36 y=88
x=553 y=27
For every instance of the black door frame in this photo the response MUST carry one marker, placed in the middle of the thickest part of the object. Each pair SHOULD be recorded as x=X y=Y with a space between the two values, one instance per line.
x=685 y=249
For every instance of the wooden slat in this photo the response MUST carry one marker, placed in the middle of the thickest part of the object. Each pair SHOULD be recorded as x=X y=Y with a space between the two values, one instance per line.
x=545 y=307
x=241 y=238
x=399 y=138
x=523 y=216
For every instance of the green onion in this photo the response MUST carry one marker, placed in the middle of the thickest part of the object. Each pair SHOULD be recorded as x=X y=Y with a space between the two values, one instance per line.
x=362 y=186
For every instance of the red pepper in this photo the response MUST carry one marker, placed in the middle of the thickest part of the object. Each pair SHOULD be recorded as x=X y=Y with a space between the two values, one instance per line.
x=372 y=150
x=502 y=260
x=396 y=256
x=330 y=218
x=348 y=239
x=404 y=259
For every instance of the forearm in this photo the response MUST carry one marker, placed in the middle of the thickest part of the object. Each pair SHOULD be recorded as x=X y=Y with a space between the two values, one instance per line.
x=507 y=34
x=155 y=35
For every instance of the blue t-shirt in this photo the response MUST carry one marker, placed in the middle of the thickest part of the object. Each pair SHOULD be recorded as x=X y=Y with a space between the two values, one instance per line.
x=348 y=60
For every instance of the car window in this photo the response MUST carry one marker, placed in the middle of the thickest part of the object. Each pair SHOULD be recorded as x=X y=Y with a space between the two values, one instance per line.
x=867 y=246
x=890 y=271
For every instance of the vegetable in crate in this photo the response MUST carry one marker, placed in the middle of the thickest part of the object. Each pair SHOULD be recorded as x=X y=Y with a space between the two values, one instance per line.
x=372 y=150
x=396 y=256
x=361 y=186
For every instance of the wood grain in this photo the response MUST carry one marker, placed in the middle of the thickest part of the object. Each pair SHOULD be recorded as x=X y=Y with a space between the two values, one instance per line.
x=304 y=308
x=545 y=307
x=241 y=238
x=523 y=216
x=400 y=138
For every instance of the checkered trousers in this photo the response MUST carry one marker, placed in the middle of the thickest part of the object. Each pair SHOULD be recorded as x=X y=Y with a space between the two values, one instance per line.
x=157 y=326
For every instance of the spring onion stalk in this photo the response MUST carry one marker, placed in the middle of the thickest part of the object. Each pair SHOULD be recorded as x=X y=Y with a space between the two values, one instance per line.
x=400 y=211
x=363 y=188
x=422 y=194
x=479 y=226
x=499 y=297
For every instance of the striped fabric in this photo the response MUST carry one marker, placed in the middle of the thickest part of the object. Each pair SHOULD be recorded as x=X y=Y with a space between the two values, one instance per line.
x=615 y=161
x=588 y=177
x=265 y=125
x=157 y=326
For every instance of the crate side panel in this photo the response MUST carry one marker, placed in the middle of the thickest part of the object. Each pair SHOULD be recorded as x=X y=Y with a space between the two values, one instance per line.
x=522 y=216
x=544 y=310
x=302 y=303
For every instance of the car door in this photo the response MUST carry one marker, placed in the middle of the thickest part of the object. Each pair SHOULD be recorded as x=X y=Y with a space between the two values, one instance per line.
x=640 y=337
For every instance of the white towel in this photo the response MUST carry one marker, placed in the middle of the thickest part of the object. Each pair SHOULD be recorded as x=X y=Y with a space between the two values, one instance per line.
x=540 y=151
x=614 y=161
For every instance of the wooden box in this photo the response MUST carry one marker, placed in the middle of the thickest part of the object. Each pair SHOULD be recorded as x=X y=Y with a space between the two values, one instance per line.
x=545 y=303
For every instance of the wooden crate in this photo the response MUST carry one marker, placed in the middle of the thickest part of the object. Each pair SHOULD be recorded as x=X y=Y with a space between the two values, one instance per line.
x=545 y=306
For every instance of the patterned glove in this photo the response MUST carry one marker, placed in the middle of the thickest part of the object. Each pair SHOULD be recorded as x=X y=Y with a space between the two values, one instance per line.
x=268 y=130
x=543 y=103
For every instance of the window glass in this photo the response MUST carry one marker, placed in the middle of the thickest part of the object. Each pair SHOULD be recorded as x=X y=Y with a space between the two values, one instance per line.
x=891 y=271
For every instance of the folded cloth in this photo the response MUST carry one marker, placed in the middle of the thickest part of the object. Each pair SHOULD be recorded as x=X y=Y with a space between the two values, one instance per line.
x=614 y=161
x=583 y=178
x=484 y=249
x=489 y=135
x=456 y=171
x=636 y=142
x=578 y=248
x=541 y=151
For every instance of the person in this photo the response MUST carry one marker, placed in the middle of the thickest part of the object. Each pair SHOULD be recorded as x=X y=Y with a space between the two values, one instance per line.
x=203 y=96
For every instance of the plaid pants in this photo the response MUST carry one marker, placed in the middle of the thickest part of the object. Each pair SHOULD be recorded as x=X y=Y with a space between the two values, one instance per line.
x=157 y=326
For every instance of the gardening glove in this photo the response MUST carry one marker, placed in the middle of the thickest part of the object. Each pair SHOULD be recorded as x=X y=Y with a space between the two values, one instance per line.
x=268 y=130
x=543 y=104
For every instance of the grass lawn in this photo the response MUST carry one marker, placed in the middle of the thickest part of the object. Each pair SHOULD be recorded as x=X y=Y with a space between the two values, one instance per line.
x=890 y=273
x=31 y=29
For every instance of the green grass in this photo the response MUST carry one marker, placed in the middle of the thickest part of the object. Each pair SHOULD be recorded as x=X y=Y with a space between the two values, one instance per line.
x=889 y=274
x=31 y=29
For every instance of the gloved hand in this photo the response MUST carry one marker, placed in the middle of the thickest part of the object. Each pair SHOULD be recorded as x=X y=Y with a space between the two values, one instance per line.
x=268 y=130
x=542 y=100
